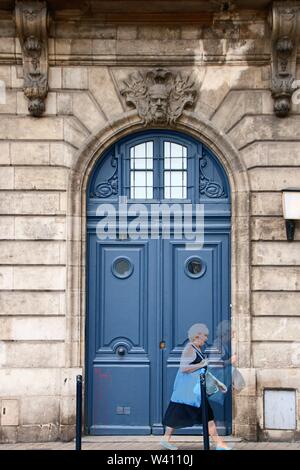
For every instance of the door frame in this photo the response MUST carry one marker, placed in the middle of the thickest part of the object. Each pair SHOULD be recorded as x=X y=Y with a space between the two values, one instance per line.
x=201 y=129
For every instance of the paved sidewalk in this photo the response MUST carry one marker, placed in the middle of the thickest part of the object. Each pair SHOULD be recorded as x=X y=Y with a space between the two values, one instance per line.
x=147 y=443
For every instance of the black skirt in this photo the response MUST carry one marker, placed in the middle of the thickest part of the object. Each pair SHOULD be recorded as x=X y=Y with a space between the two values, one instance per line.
x=179 y=415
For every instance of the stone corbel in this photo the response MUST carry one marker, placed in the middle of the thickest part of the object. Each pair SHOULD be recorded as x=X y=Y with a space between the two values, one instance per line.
x=32 y=22
x=285 y=24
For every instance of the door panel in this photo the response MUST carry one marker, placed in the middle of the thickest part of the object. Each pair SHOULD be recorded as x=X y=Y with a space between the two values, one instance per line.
x=123 y=297
x=194 y=294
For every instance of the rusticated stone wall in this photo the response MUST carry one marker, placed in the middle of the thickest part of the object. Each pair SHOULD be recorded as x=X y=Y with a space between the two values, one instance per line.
x=45 y=163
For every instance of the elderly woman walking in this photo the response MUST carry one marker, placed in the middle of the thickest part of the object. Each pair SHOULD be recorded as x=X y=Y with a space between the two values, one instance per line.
x=185 y=407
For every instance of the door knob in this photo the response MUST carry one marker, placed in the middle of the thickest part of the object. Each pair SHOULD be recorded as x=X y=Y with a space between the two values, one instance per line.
x=121 y=351
x=162 y=345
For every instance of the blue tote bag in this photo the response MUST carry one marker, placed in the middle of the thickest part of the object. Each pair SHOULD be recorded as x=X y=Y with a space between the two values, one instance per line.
x=186 y=388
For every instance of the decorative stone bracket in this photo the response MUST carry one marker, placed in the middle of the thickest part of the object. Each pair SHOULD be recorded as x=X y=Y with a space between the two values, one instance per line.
x=32 y=22
x=285 y=24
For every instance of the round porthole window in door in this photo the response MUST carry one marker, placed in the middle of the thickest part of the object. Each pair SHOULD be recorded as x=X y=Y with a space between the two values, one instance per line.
x=195 y=267
x=122 y=267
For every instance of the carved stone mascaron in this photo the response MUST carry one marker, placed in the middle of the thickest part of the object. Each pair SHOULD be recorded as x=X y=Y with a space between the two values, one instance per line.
x=159 y=95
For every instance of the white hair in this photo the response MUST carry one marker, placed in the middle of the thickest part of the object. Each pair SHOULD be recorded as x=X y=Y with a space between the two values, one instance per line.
x=197 y=328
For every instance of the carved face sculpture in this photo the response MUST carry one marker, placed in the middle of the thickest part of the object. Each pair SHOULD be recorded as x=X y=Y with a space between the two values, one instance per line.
x=158 y=102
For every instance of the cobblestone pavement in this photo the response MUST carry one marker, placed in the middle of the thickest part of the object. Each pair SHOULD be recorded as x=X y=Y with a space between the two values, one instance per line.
x=147 y=443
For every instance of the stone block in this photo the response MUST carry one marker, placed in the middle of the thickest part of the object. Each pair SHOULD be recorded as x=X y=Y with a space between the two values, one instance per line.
x=245 y=410
x=68 y=381
x=31 y=252
x=75 y=78
x=190 y=32
x=28 y=328
x=244 y=354
x=55 y=78
x=282 y=354
x=7 y=45
x=40 y=178
x=245 y=48
x=7 y=229
x=39 y=278
x=67 y=432
x=162 y=33
x=6 y=177
x=283 y=329
x=4 y=153
x=5 y=75
x=157 y=48
x=84 y=30
x=126 y=32
x=32 y=354
x=62 y=48
x=63 y=202
x=67 y=410
x=81 y=46
x=39 y=410
x=276 y=435
x=64 y=103
x=9 y=412
x=104 y=47
x=86 y=111
x=276 y=278
x=8 y=434
x=74 y=132
x=38 y=433
x=62 y=154
x=273 y=179
x=267 y=127
x=102 y=78
x=276 y=154
x=276 y=303
x=39 y=228
x=33 y=153
x=239 y=102
x=17 y=77
x=278 y=378
x=32 y=303
x=31 y=202
x=275 y=253
x=271 y=228
x=6 y=277
x=35 y=382
x=246 y=431
x=249 y=375
x=268 y=203
x=30 y=128
x=8 y=105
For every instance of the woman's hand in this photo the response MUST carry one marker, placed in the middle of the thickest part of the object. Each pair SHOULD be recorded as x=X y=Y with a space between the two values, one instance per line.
x=203 y=363
x=222 y=387
x=233 y=359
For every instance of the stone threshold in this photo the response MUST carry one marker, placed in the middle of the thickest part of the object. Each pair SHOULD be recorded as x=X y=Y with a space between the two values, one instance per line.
x=152 y=438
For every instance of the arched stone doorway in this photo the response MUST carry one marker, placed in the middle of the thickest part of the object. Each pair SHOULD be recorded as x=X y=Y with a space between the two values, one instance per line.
x=227 y=155
x=150 y=277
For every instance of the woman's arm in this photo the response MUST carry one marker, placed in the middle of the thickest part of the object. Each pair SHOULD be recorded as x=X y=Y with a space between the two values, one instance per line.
x=194 y=367
x=187 y=357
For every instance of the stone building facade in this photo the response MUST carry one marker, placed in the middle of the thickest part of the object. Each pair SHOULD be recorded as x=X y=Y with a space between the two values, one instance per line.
x=64 y=106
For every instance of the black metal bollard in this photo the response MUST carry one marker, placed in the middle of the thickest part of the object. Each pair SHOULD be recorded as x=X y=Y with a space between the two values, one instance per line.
x=204 y=411
x=78 y=411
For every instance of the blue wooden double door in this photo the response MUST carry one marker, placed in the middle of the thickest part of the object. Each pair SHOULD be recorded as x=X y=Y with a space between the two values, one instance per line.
x=144 y=292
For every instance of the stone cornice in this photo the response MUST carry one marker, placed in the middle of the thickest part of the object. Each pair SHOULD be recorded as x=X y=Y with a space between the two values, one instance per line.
x=32 y=22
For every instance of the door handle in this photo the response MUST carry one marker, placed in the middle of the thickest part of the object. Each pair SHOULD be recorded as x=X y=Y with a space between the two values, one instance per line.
x=121 y=351
x=162 y=345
